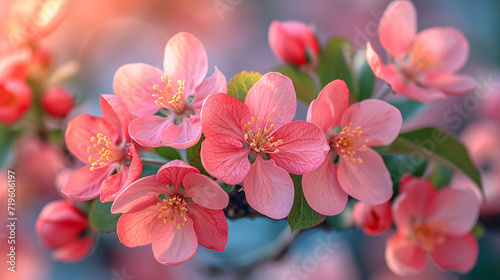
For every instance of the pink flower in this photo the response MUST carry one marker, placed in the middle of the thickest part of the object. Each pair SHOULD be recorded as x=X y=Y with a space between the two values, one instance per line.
x=422 y=65
x=105 y=146
x=63 y=228
x=174 y=210
x=350 y=130
x=373 y=219
x=294 y=42
x=176 y=93
x=256 y=142
x=57 y=102
x=437 y=222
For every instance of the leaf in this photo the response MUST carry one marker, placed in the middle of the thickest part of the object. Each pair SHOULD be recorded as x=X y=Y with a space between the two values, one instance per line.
x=364 y=75
x=431 y=143
x=334 y=61
x=342 y=221
x=302 y=82
x=168 y=153
x=194 y=157
x=399 y=165
x=302 y=215
x=100 y=217
x=241 y=84
x=6 y=146
x=410 y=108
x=226 y=187
x=441 y=176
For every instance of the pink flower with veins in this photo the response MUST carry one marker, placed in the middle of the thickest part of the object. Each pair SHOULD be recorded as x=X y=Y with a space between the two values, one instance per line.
x=373 y=219
x=422 y=65
x=350 y=130
x=256 y=142
x=177 y=93
x=174 y=210
x=105 y=146
x=434 y=222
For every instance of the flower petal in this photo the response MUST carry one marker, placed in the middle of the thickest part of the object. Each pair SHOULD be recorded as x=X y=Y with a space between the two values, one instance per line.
x=379 y=121
x=322 y=189
x=210 y=227
x=272 y=97
x=452 y=84
x=225 y=158
x=388 y=73
x=418 y=93
x=205 y=191
x=368 y=181
x=304 y=147
x=173 y=173
x=328 y=108
x=186 y=60
x=174 y=246
x=456 y=211
x=269 y=189
x=80 y=131
x=115 y=111
x=398 y=27
x=133 y=84
x=184 y=135
x=112 y=185
x=84 y=184
x=457 y=253
x=135 y=229
x=147 y=130
x=215 y=84
x=223 y=114
x=139 y=195
x=404 y=257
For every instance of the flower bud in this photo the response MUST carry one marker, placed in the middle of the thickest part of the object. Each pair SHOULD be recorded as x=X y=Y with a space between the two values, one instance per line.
x=373 y=219
x=15 y=100
x=57 y=102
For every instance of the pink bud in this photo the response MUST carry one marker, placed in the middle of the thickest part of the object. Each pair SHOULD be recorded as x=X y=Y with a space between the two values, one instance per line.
x=293 y=42
x=15 y=100
x=373 y=219
x=57 y=102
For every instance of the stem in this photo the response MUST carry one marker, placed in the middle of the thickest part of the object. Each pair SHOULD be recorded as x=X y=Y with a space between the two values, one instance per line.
x=153 y=162
x=386 y=89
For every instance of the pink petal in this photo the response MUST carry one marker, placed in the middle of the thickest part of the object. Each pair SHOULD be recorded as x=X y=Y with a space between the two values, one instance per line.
x=135 y=167
x=304 y=147
x=322 y=189
x=81 y=129
x=456 y=211
x=135 y=229
x=115 y=111
x=147 y=130
x=133 y=84
x=388 y=73
x=369 y=181
x=225 y=158
x=112 y=185
x=223 y=114
x=210 y=227
x=457 y=253
x=269 y=189
x=139 y=195
x=328 y=108
x=379 y=121
x=418 y=93
x=184 y=135
x=215 y=84
x=452 y=84
x=75 y=251
x=404 y=257
x=174 y=246
x=173 y=173
x=84 y=184
x=447 y=46
x=272 y=97
x=398 y=27
x=186 y=59
x=205 y=191
x=373 y=219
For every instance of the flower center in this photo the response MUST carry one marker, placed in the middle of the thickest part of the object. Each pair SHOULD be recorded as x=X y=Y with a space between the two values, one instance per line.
x=259 y=139
x=347 y=143
x=427 y=235
x=107 y=151
x=173 y=209
x=168 y=98
x=420 y=59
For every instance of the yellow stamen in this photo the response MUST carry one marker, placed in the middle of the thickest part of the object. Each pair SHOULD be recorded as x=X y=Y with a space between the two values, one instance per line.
x=107 y=151
x=173 y=209
x=260 y=140
x=169 y=99
x=346 y=143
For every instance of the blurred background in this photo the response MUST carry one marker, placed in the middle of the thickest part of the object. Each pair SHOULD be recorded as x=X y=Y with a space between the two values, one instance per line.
x=101 y=35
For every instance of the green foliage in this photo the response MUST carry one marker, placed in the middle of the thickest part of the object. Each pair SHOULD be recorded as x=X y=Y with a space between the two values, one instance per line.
x=241 y=84
x=302 y=82
x=194 y=157
x=6 y=146
x=100 y=217
x=168 y=153
x=364 y=76
x=410 y=108
x=302 y=216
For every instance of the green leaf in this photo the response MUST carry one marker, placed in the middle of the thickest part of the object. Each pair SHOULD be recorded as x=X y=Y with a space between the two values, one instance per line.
x=168 y=153
x=241 y=84
x=334 y=63
x=226 y=187
x=6 y=146
x=302 y=215
x=431 y=143
x=410 y=108
x=194 y=157
x=364 y=75
x=100 y=217
x=342 y=221
x=302 y=82
x=441 y=176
